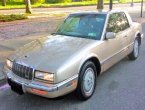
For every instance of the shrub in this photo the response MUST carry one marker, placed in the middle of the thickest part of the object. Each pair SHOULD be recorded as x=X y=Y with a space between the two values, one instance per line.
x=37 y=1
x=12 y=17
x=124 y=1
x=58 y=1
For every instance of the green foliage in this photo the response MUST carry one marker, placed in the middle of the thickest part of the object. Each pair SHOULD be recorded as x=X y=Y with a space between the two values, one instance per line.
x=37 y=1
x=12 y=17
x=58 y=1
x=82 y=0
x=122 y=1
x=15 y=0
x=22 y=1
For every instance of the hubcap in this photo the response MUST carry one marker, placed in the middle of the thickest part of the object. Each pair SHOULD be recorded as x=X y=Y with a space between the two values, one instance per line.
x=88 y=81
x=136 y=48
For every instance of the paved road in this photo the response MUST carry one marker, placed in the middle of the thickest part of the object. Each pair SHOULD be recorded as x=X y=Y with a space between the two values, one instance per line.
x=120 y=88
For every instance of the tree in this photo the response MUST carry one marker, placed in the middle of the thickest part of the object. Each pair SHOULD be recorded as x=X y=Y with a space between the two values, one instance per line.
x=28 y=6
x=111 y=4
x=4 y=2
x=100 y=4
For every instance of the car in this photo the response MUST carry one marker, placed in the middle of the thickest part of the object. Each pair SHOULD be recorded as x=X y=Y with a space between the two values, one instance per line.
x=85 y=45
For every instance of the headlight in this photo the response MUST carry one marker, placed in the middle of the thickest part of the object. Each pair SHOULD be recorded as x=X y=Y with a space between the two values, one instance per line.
x=44 y=76
x=9 y=63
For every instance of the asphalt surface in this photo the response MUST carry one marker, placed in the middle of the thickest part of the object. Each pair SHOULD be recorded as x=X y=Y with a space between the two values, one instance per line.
x=120 y=88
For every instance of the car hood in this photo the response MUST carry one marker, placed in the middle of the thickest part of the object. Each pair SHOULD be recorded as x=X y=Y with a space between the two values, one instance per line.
x=49 y=53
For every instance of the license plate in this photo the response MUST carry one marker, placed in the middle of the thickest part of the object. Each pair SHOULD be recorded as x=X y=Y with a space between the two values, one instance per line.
x=16 y=87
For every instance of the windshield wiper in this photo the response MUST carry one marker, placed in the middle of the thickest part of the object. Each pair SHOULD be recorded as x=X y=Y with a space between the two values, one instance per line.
x=54 y=33
x=61 y=34
x=79 y=36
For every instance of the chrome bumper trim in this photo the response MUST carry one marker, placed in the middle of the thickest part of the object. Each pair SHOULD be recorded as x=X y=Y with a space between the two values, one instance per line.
x=54 y=87
x=38 y=85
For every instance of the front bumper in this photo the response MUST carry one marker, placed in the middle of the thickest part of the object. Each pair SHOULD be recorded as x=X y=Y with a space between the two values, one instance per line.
x=41 y=88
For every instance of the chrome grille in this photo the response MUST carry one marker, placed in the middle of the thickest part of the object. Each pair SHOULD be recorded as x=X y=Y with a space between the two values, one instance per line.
x=22 y=71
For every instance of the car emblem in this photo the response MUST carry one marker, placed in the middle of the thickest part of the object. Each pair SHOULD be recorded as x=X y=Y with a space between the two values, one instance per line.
x=26 y=56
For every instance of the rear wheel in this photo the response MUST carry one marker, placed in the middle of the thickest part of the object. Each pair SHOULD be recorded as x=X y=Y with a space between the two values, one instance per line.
x=87 y=81
x=134 y=54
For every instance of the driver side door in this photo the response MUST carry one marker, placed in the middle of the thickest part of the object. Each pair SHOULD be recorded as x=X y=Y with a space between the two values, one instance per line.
x=112 y=48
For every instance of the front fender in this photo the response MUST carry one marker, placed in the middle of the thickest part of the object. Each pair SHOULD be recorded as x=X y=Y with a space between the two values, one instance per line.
x=86 y=58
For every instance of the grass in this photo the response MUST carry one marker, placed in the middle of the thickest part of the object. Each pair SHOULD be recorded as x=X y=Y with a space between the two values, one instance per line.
x=129 y=1
x=12 y=17
x=21 y=5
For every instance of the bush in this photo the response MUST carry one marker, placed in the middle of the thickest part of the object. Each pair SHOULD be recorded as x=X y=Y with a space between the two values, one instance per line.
x=123 y=1
x=67 y=1
x=12 y=17
x=81 y=0
x=37 y=1
x=58 y=1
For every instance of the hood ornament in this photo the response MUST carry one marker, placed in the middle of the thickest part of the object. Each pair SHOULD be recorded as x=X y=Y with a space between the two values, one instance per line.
x=26 y=56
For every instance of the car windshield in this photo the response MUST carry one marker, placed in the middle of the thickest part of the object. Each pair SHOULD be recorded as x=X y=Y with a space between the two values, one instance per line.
x=88 y=26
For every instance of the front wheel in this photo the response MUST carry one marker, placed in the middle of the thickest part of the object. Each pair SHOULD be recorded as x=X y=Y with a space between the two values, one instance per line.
x=134 y=54
x=87 y=81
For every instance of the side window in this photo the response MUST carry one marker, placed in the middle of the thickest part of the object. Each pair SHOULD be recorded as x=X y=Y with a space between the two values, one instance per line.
x=125 y=23
x=114 y=23
x=117 y=22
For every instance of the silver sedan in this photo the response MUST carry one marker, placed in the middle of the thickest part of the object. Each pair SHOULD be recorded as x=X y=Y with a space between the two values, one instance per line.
x=85 y=45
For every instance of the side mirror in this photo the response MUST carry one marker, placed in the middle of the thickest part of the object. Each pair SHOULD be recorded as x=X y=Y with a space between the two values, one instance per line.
x=110 y=35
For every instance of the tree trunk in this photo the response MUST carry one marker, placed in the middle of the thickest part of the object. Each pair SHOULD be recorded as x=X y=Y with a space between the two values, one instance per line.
x=4 y=2
x=100 y=4
x=28 y=6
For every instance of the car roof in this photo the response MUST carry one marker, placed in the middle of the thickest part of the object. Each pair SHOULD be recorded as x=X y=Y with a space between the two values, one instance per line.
x=98 y=12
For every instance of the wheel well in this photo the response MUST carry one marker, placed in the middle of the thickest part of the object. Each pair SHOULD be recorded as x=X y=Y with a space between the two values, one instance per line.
x=139 y=38
x=97 y=64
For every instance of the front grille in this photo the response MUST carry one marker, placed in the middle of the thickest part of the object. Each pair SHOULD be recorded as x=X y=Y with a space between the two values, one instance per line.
x=22 y=71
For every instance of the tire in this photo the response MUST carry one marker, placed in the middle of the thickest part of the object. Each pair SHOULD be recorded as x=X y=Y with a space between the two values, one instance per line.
x=87 y=81
x=135 y=53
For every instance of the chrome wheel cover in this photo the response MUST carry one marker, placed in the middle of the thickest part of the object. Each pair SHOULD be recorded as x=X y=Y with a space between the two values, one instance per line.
x=88 y=81
x=136 y=48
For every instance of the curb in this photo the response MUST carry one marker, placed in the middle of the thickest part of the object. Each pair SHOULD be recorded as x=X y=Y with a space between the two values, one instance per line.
x=3 y=81
x=2 y=76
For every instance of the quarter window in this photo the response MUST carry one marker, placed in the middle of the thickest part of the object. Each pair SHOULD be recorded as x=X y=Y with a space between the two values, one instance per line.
x=117 y=22
x=125 y=23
